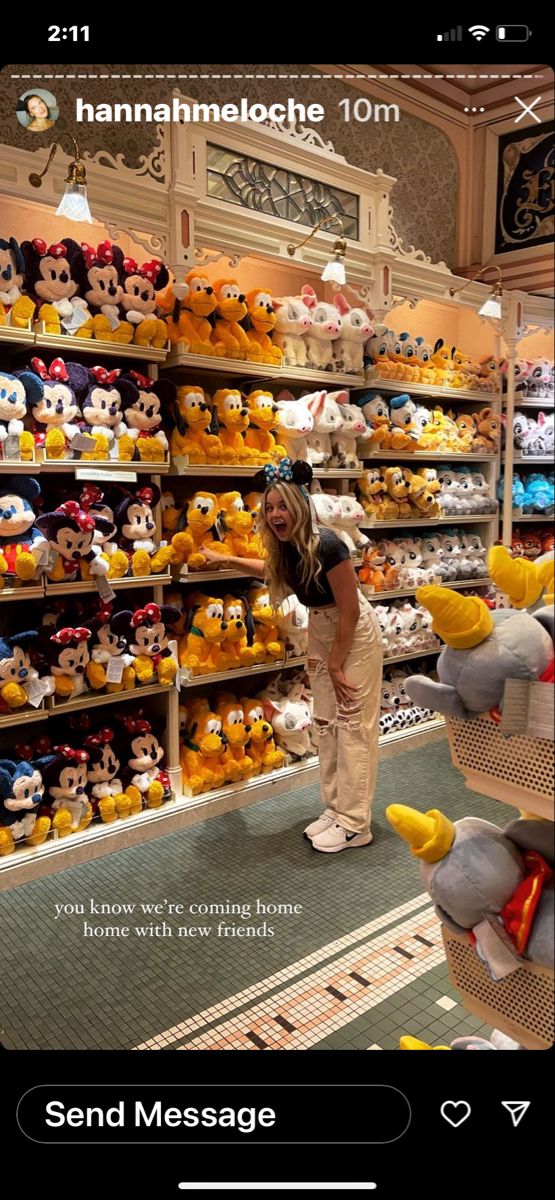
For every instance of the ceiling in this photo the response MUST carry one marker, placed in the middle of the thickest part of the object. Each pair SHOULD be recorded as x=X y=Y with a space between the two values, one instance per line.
x=490 y=85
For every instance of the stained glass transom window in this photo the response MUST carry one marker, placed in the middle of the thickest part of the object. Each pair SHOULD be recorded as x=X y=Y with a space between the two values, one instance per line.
x=266 y=188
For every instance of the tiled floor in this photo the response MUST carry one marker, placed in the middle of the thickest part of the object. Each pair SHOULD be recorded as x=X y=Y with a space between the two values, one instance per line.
x=361 y=964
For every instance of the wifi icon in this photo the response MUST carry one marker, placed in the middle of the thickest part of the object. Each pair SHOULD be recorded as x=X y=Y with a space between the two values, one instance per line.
x=478 y=31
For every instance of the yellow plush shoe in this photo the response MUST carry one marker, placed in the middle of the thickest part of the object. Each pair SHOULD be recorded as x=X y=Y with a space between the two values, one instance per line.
x=119 y=565
x=51 y=318
x=13 y=695
x=155 y=795
x=22 y=313
x=7 y=844
x=86 y=818
x=55 y=443
x=26 y=446
x=61 y=822
x=96 y=675
x=167 y=671
x=25 y=565
x=107 y=809
x=126 y=448
x=135 y=799
x=41 y=829
x=140 y=563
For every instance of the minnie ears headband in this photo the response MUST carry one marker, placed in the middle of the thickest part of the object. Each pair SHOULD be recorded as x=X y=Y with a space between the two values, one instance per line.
x=298 y=472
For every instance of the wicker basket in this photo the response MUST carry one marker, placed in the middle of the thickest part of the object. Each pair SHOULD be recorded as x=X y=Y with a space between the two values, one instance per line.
x=516 y=770
x=521 y=1005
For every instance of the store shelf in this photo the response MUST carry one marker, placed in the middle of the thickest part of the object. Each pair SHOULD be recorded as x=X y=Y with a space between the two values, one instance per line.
x=17 y=337
x=213 y=365
x=15 y=467
x=33 y=592
x=545 y=460
x=97 y=699
x=74 y=345
x=539 y=404
x=425 y=456
x=207 y=576
x=399 y=386
x=179 y=466
x=457 y=583
x=412 y=654
x=17 y=717
x=295 y=770
x=279 y=664
x=535 y=517
x=99 y=468
x=403 y=735
x=426 y=522
x=89 y=585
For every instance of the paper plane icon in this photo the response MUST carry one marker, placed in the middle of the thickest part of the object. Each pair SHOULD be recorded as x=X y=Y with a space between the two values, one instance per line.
x=516 y=1109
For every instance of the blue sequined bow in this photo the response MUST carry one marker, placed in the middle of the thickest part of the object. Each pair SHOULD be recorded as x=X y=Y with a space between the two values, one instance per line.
x=280 y=471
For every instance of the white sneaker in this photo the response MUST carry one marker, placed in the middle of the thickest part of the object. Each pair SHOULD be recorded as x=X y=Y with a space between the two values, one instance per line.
x=319 y=825
x=336 y=838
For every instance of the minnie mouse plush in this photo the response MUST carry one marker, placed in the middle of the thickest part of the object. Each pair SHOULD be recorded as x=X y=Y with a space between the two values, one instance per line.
x=148 y=641
x=110 y=649
x=67 y=653
x=93 y=501
x=65 y=780
x=140 y=285
x=102 y=417
x=57 y=407
x=143 y=398
x=134 y=517
x=143 y=778
x=52 y=276
x=101 y=287
x=70 y=530
x=105 y=787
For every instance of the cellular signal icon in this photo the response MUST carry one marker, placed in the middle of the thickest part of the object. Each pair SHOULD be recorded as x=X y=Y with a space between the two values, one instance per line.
x=478 y=31
x=453 y=35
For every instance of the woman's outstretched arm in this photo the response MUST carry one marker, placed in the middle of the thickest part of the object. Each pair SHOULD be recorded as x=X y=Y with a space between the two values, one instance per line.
x=248 y=566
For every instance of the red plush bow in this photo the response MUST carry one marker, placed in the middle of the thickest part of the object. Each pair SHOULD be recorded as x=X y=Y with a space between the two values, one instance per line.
x=151 y=612
x=142 y=380
x=134 y=725
x=56 y=250
x=103 y=376
x=78 y=756
x=57 y=370
x=64 y=636
x=130 y=266
x=103 y=254
x=90 y=495
x=99 y=739
x=104 y=614
x=82 y=519
x=151 y=270
x=146 y=495
x=24 y=750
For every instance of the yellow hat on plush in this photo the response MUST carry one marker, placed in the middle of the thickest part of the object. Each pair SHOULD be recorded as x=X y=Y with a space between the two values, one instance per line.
x=461 y=621
x=430 y=835
x=411 y=1043
x=523 y=581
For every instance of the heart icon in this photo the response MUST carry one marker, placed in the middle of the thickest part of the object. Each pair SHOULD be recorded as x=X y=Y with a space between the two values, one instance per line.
x=456 y=1112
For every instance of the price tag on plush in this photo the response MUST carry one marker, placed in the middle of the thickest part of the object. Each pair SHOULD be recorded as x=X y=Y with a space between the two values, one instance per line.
x=77 y=318
x=79 y=444
x=11 y=446
x=36 y=691
x=83 y=473
x=184 y=571
x=114 y=672
x=181 y=463
x=104 y=590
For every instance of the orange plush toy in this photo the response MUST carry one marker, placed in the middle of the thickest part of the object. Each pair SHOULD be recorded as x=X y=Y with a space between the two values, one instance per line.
x=261 y=747
x=267 y=645
x=232 y=308
x=202 y=514
x=237 y=763
x=201 y=650
x=376 y=572
x=237 y=526
x=233 y=418
x=190 y=436
x=263 y=417
x=262 y=320
x=190 y=322
x=202 y=749
x=443 y=363
x=240 y=631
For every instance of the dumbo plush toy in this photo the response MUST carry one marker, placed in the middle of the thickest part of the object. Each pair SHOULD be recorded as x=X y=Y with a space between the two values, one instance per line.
x=497 y=883
x=482 y=650
x=528 y=584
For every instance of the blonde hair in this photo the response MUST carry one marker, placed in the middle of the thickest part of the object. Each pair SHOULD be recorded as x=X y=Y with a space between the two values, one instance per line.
x=304 y=534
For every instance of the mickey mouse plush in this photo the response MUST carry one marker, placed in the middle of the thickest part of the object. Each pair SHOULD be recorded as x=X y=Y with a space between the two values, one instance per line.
x=101 y=287
x=21 y=793
x=145 y=632
x=17 y=392
x=52 y=275
x=101 y=408
x=16 y=309
x=134 y=518
x=22 y=543
x=70 y=530
x=140 y=285
x=16 y=671
x=111 y=645
x=143 y=398
x=58 y=405
x=65 y=779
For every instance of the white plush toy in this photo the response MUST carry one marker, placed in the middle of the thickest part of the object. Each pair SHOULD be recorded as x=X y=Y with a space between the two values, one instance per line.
x=395 y=557
x=481 y=499
x=324 y=331
x=452 y=555
x=419 y=574
x=381 y=611
x=327 y=419
x=295 y=423
x=351 y=513
x=293 y=320
x=451 y=498
x=344 y=443
x=356 y=329
x=291 y=719
x=328 y=514
x=292 y=622
x=433 y=557
x=475 y=552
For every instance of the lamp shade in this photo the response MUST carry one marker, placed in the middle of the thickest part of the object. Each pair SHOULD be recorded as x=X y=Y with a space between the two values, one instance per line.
x=334 y=270
x=74 y=204
x=491 y=308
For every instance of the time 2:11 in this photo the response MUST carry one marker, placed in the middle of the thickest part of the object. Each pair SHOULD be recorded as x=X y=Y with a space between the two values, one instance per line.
x=56 y=33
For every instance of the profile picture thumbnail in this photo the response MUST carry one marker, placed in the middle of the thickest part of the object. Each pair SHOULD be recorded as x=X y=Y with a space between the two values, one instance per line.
x=37 y=110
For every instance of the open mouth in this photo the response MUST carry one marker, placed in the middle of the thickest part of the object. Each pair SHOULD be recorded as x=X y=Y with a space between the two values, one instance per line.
x=280 y=528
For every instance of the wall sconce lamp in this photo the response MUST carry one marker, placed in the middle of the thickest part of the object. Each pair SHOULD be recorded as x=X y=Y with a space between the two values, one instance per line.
x=334 y=270
x=492 y=306
x=74 y=203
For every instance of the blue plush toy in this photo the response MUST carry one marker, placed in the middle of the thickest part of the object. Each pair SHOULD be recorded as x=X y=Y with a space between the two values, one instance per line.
x=538 y=494
x=17 y=395
x=21 y=792
x=18 y=679
x=518 y=491
x=22 y=545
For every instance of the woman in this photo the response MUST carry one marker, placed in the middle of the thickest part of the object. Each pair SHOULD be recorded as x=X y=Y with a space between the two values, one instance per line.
x=39 y=111
x=344 y=648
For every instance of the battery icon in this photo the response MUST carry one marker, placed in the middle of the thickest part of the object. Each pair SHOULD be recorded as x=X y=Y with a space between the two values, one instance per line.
x=512 y=33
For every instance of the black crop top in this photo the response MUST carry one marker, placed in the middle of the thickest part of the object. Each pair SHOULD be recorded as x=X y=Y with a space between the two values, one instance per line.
x=331 y=552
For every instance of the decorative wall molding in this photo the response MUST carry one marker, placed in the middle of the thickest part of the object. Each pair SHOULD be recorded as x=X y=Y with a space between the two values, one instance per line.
x=152 y=165
x=203 y=257
x=308 y=136
x=153 y=243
